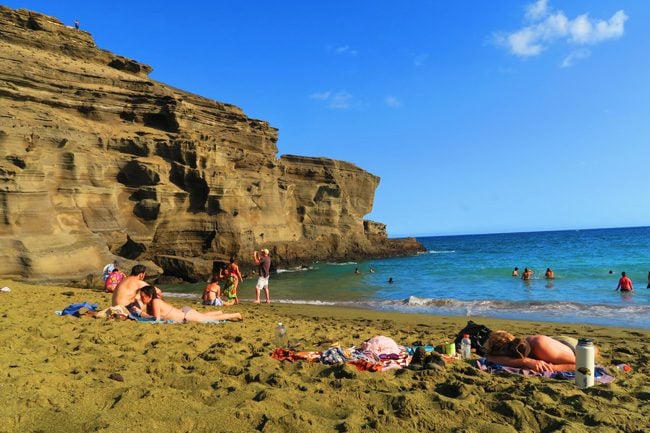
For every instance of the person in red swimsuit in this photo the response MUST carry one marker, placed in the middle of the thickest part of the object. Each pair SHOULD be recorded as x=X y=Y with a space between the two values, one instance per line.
x=625 y=284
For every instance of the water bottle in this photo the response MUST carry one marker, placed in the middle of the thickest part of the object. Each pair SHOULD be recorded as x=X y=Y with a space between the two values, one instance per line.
x=466 y=347
x=281 y=339
x=585 y=363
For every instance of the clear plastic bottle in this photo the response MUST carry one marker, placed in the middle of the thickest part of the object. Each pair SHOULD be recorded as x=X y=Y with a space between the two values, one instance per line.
x=466 y=347
x=281 y=339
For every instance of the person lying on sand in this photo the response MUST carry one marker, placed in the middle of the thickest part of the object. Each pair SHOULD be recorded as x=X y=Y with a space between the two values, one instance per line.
x=535 y=352
x=161 y=310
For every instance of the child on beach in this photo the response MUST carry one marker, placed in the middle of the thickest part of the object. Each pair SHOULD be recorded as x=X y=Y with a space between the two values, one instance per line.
x=230 y=283
x=161 y=310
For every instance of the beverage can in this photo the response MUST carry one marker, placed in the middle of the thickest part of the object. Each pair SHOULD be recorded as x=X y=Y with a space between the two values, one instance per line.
x=450 y=348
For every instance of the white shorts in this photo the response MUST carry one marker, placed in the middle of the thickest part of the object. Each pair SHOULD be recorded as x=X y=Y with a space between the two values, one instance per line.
x=262 y=282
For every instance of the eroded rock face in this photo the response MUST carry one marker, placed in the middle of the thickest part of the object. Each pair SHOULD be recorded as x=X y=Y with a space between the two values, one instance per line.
x=98 y=161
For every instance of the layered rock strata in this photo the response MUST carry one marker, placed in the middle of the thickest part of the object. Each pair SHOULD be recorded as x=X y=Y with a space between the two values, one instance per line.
x=98 y=161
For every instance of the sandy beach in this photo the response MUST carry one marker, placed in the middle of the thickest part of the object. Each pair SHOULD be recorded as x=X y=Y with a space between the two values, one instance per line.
x=68 y=374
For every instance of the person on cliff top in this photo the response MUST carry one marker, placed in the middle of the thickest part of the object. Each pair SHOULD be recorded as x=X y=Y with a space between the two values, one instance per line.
x=263 y=262
x=230 y=283
x=233 y=268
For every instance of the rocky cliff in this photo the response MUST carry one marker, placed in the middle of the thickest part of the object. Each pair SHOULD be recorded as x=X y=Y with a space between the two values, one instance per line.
x=97 y=162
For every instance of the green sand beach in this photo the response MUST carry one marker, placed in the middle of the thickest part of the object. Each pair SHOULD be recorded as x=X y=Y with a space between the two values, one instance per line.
x=59 y=375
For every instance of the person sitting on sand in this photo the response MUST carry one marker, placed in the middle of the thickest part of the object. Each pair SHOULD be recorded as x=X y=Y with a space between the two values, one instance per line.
x=161 y=310
x=535 y=352
x=125 y=293
x=230 y=283
x=549 y=275
x=212 y=292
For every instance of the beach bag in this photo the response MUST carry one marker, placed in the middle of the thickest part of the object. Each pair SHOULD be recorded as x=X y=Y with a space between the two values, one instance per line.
x=114 y=278
x=478 y=334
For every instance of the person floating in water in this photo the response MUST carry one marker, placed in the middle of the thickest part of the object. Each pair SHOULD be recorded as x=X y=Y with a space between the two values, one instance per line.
x=625 y=284
x=527 y=275
x=357 y=271
x=648 y=280
x=549 y=275
x=515 y=272
x=390 y=281
x=371 y=270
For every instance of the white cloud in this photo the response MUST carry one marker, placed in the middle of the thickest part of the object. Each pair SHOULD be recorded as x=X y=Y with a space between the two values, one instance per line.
x=345 y=50
x=340 y=100
x=420 y=59
x=548 y=28
x=537 y=10
x=574 y=57
x=320 y=96
x=392 y=102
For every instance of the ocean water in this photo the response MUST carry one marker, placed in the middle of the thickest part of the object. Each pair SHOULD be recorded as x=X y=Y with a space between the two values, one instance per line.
x=470 y=276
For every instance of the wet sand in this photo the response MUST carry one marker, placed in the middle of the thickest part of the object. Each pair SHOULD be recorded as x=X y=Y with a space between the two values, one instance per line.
x=61 y=374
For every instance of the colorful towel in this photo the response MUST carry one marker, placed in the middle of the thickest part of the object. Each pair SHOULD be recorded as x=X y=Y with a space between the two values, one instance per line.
x=601 y=376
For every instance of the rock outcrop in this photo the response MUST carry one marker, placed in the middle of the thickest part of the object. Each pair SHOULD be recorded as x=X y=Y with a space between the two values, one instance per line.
x=98 y=161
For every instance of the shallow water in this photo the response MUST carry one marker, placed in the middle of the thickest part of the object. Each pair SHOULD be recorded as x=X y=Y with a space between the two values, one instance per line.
x=470 y=276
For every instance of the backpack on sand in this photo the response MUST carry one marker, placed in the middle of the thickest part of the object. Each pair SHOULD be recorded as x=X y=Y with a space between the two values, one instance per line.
x=478 y=334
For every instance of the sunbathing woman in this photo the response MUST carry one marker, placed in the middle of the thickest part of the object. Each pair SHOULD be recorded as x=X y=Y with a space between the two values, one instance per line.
x=536 y=352
x=161 y=310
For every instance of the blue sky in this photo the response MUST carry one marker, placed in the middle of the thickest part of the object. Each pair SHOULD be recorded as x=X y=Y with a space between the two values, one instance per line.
x=479 y=116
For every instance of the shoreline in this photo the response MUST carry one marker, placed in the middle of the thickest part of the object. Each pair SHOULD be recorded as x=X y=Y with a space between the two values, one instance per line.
x=203 y=377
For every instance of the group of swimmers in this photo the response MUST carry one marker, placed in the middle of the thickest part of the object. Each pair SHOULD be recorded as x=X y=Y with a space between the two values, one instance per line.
x=624 y=283
x=528 y=274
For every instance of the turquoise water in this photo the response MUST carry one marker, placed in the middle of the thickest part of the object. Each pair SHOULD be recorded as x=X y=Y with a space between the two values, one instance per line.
x=471 y=276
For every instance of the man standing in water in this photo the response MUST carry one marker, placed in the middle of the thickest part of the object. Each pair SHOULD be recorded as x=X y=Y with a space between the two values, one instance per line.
x=625 y=284
x=263 y=263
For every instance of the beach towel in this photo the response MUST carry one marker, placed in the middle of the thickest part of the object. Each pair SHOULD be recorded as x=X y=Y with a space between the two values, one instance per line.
x=74 y=309
x=601 y=375
x=377 y=354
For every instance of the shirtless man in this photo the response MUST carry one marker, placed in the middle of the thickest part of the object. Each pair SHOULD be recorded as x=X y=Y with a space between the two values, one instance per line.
x=625 y=284
x=126 y=291
x=528 y=274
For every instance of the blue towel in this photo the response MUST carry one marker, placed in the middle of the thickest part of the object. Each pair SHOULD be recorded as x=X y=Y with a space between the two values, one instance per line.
x=73 y=309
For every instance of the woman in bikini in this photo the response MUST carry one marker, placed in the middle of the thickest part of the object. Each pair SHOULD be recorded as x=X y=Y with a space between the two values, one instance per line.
x=161 y=310
x=536 y=352
x=212 y=292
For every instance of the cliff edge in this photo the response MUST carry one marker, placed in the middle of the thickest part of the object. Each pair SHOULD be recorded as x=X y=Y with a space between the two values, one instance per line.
x=99 y=162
